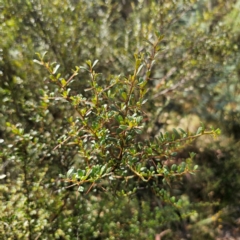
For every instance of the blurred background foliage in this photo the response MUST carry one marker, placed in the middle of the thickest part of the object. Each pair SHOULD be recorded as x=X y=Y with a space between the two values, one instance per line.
x=195 y=79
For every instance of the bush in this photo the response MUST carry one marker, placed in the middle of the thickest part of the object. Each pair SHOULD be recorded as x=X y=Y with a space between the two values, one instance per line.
x=112 y=128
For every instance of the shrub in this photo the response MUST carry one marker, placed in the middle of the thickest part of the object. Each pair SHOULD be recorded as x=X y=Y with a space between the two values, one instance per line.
x=124 y=157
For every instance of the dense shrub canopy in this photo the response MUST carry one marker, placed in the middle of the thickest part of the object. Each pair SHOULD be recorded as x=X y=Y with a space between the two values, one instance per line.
x=110 y=130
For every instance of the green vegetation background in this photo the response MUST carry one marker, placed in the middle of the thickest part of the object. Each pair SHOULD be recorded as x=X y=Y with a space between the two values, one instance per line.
x=195 y=78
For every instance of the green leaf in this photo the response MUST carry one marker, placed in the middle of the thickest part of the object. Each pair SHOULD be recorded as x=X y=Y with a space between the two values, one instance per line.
x=63 y=82
x=124 y=95
x=56 y=68
x=80 y=173
x=183 y=132
x=138 y=131
x=70 y=172
x=38 y=62
x=174 y=167
x=218 y=131
x=200 y=130
x=123 y=127
x=139 y=119
x=174 y=154
x=102 y=169
x=167 y=136
x=89 y=63
x=192 y=155
x=2 y=176
x=80 y=189
x=140 y=68
x=95 y=62
x=176 y=132
x=144 y=101
x=202 y=125
x=195 y=167
x=82 y=67
x=142 y=84
x=58 y=76
x=119 y=118
x=43 y=55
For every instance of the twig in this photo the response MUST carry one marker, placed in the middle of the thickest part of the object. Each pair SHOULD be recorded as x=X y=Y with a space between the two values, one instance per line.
x=160 y=235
